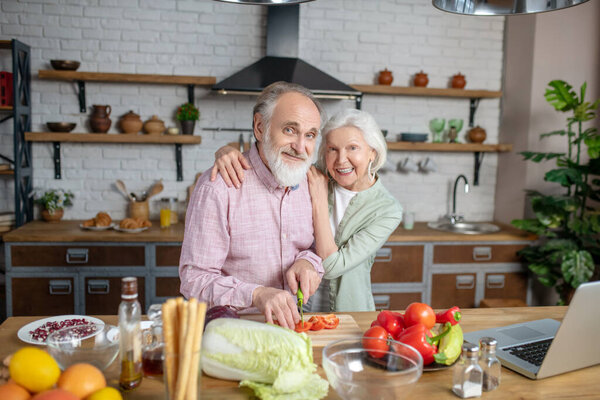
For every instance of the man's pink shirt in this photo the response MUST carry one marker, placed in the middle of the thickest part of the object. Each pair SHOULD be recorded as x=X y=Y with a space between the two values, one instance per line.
x=239 y=239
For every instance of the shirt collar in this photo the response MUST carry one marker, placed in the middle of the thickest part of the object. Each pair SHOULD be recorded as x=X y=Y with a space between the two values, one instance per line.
x=263 y=173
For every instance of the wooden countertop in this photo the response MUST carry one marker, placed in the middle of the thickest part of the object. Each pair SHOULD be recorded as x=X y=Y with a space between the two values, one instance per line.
x=69 y=231
x=583 y=383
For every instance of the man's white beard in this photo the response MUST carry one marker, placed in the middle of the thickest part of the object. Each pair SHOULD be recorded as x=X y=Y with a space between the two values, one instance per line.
x=285 y=174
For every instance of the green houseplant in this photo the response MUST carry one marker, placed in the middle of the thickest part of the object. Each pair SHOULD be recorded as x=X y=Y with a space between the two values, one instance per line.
x=53 y=202
x=568 y=226
x=187 y=114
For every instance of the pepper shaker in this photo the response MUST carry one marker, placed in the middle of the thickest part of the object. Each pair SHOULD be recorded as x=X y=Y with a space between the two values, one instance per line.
x=489 y=363
x=468 y=375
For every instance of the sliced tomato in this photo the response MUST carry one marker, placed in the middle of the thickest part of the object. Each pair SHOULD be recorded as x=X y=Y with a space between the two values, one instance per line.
x=317 y=323
x=302 y=326
x=330 y=321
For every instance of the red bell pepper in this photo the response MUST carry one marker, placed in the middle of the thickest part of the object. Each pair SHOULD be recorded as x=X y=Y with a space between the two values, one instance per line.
x=419 y=337
x=451 y=315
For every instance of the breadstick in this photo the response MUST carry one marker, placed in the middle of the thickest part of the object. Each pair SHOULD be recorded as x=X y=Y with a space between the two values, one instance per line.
x=197 y=344
x=169 y=314
x=185 y=354
x=183 y=311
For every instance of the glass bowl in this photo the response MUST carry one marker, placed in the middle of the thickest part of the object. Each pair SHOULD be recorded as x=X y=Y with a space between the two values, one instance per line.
x=354 y=374
x=96 y=344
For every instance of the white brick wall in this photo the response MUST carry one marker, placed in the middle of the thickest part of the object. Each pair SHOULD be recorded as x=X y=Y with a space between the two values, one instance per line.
x=349 y=39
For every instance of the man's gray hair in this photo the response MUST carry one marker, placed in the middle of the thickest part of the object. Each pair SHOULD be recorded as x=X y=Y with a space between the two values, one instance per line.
x=364 y=122
x=265 y=104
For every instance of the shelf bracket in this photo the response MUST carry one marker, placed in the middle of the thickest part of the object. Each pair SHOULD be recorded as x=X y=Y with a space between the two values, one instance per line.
x=190 y=94
x=478 y=160
x=6 y=118
x=81 y=95
x=56 y=146
x=7 y=159
x=472 y=110
x=178 y=162
x=358 y=102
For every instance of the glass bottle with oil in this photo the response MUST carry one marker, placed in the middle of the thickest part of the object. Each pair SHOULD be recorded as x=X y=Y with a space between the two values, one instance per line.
x=130 y=335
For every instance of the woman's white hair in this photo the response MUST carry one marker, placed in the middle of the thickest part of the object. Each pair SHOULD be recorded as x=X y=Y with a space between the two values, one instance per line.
x=365 y=123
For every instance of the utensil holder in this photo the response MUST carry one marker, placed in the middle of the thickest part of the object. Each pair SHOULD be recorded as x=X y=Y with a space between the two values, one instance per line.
x=139 y=209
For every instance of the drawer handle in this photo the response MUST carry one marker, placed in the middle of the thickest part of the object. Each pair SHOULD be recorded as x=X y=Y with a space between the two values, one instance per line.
x=77 y=256
x=494 y=282
x=382 y=302
x=98 y=286
x=482 y=253
x=60 y=286
x=383 y=255
x=465 y=282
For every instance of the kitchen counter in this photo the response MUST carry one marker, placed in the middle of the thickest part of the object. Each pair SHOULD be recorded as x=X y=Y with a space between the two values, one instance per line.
x=583 y=383
x=69 y=231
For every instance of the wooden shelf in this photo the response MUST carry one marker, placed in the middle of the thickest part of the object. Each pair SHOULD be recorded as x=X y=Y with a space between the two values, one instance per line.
x=449 y=147
x=111 y=138
x=6 y=108
x=425 y=91
x=7 y=172
x=5 y=44
x=125 y=78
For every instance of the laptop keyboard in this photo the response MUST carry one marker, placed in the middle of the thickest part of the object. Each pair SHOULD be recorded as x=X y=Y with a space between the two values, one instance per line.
x=533 y=352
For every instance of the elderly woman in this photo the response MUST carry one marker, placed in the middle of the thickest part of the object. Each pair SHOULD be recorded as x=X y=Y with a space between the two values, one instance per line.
x=353 y=213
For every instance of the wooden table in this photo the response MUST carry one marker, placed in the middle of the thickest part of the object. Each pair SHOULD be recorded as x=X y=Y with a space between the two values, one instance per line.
x=584 y=383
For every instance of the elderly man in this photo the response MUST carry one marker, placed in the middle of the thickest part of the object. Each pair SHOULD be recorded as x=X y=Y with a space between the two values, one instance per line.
x=248 y=248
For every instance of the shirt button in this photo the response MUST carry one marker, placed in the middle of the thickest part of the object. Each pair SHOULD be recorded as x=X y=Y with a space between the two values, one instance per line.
x=284 y=236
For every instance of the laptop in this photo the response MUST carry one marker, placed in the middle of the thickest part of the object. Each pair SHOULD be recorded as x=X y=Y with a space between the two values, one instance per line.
x=543 y=348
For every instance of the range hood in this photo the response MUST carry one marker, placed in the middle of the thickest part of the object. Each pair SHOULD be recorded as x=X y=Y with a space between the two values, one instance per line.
x=282 y=63
x=502 y=7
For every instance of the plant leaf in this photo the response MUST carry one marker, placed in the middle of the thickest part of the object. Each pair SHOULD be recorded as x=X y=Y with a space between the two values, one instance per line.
x=593 y=145
x=561 y=96
x=539 y=269
x=547 y=280
x=577 y=267
x=561 y=133
x=533 y=226
x=563 y=176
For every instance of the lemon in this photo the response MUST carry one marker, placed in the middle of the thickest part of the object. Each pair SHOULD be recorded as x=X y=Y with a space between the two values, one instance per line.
x=107 y=393
x=34 y=369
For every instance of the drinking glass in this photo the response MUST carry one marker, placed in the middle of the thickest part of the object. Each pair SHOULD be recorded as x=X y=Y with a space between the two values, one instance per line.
x=455 y=125
x=436 y=126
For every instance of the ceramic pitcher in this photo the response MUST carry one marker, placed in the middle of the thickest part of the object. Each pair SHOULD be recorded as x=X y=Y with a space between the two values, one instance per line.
x=99 y=120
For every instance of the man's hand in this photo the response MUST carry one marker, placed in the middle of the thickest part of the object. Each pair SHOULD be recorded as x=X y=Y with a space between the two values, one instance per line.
x=271 y=301
x=303 y=271
x=230 y=163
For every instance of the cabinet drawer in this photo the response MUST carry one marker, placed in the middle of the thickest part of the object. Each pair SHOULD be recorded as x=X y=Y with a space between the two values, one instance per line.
x=512 y=285
x=395 y=301
x=77 y=256
x=398 y=264
x=449 y=290
x=167 y=256
x=43 y=296
x=459 y=254
x=103 y=295
x=167 y=287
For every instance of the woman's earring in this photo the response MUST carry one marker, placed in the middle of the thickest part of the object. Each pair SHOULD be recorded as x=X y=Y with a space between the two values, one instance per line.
x=371 y=174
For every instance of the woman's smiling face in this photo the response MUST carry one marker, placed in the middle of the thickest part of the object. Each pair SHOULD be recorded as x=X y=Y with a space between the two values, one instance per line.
x=347 y=156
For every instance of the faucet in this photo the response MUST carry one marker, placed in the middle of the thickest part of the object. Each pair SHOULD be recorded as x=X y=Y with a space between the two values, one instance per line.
x=454 y=218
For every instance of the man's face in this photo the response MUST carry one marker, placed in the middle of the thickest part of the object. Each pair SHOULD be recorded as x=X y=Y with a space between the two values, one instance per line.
x=287 y=147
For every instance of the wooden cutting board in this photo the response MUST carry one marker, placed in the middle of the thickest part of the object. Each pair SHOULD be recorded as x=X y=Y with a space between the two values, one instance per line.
x=347 y=328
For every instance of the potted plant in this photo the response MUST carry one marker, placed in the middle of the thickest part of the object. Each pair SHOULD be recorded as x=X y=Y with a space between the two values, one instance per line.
x=187 y=115
x=567 y=224
x=53 y=203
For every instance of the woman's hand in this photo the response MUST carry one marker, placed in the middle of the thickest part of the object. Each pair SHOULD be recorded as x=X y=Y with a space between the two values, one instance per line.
x=317 y=185
x=230 y=163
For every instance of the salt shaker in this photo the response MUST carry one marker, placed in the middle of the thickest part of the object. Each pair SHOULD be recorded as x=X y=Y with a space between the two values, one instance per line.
x=489 y=363
x=468 y=375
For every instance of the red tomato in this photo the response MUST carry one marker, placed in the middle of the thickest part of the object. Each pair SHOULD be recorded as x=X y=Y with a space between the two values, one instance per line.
x=375 y=341
x=302 y=327
x=330 y=321
x=390 y=322
x=419 y=313
x=375 y=323
x=316 y=323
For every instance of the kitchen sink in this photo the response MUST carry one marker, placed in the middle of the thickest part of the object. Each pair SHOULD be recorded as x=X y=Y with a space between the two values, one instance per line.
x=464 y=227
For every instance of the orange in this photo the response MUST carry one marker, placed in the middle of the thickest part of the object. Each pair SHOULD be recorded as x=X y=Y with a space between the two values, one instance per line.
x=55 y=394
x=81 y=380
x=12 y=391
x=34 y=369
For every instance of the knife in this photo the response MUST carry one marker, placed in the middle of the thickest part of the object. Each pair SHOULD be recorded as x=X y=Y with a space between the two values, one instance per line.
x=300 y=296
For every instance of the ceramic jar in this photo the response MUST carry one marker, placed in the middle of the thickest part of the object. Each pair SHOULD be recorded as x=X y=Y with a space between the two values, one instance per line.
x=154 y=126
x=421 y=79
x=99 y=120
x=458 y=81
x=54 y=217
x=385 y=77
x=130 y=123
x=476 y=135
